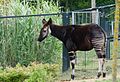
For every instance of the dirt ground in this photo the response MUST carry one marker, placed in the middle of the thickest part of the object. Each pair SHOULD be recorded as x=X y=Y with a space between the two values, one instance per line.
x=92 y=80
x=85 y=74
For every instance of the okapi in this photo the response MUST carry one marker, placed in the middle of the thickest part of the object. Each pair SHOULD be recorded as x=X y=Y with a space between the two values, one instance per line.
x=78 y=37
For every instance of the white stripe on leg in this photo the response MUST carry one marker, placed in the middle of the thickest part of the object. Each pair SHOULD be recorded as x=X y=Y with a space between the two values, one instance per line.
x=73 y=71
x=101 y=62
x=73 y=68
x=103 y=67
x=73 y=61
x=100 y=65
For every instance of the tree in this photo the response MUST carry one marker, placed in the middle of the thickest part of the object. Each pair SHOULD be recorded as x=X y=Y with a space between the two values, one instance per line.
x=68 y=5
x=82 y=4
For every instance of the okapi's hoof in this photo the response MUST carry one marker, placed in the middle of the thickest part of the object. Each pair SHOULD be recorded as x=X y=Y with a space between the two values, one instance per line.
x=104 y=75
x=98 y=75
x=72 y=77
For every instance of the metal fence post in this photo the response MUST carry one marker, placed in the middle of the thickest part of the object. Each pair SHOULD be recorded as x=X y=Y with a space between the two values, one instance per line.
x=107 y=29
x=104 y=24
x=97 y=17
x=65 y=56
x=108 y=49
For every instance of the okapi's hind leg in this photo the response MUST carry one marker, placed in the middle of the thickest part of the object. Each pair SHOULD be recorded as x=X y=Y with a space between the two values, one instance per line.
x=72 y=56
x=101 y=69
x=99 y=45
x=101 y=62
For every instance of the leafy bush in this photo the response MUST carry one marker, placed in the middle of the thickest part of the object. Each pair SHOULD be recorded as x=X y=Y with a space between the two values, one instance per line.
x=33 y=73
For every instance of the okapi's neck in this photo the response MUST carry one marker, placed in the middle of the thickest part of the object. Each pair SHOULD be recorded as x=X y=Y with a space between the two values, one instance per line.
x=57 y=31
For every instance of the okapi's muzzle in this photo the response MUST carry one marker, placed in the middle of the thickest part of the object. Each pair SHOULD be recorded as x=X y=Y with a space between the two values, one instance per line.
x=40 y=39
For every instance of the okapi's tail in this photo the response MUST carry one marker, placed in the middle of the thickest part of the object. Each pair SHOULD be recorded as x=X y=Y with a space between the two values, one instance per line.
x=105 y=35
x=105 y=40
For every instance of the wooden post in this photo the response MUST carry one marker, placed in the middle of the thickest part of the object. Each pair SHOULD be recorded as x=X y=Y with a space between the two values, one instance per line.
x=115 y=49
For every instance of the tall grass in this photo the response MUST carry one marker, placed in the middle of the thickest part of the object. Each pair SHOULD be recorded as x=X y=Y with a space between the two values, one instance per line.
x=18 y=36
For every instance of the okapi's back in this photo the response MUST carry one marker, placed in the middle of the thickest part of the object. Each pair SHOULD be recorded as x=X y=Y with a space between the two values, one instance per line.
x=91 y=30
x=82 y=35
x=94 y=29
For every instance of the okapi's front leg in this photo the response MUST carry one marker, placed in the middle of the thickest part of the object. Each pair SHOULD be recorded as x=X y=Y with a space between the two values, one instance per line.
x=72 y=57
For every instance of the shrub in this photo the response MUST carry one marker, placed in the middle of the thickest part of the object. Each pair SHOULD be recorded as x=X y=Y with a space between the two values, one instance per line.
x=33 y=73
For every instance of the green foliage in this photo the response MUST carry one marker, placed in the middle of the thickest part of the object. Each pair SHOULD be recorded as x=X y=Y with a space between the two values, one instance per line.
x=18 y=36
x=104 y=2
x=32 y=73
x=24 y=7
x=82 y=4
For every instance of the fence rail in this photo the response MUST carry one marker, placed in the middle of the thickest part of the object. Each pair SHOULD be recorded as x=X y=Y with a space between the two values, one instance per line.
x=30 y=15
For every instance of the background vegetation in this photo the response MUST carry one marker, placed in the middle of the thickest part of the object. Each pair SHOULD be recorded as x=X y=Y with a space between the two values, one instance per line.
x=18 y=36
x=18 y=39
x=81 y=4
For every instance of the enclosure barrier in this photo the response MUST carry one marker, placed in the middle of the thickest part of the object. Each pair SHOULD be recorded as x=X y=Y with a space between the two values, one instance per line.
x=115 y=49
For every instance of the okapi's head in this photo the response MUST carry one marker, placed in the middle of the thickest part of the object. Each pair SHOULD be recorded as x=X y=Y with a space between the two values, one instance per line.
x=45 y=29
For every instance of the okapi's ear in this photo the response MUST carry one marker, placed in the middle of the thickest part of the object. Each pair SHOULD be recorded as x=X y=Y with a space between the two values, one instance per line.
x=49 y=21
x=44 y=21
